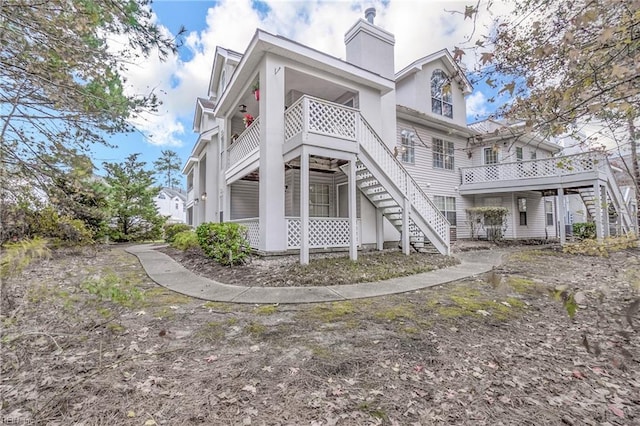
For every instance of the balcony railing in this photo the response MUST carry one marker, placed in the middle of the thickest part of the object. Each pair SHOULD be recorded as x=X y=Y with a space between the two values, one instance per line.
x=313 y=115
x=247 y=144
x=532 y=169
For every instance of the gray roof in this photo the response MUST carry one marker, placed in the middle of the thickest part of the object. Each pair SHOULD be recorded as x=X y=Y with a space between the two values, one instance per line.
x=173 y=192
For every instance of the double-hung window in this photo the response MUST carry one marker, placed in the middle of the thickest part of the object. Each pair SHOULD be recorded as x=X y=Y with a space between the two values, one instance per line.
x=443 y=154
x=407 y=147
x=447 y=205
x=318 y=200
x=522 y=209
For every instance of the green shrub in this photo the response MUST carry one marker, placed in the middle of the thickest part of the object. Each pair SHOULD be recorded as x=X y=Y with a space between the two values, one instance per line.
x=226 y=243
x=584 y=230
x=185 y=240
x=172 y=229
x=49 y=224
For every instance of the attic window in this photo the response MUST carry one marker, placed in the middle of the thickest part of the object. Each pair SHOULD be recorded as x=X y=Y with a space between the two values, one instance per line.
x=441 y=99
x=161 y=196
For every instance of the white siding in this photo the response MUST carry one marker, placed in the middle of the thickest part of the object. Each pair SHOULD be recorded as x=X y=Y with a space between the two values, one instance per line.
x=244 y=199
x=437 y=181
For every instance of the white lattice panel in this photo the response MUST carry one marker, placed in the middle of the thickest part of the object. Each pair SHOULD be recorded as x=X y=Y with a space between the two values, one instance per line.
x=558 y=166
x=293 y=123
x=246 y=144
x=331 y=119
x=293 y=233
x=253 y=231
x=323 y=232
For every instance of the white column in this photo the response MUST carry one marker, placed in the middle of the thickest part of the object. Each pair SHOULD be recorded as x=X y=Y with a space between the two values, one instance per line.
x=353 y=223
x=561 y=215
x=379 y=229
x=597 y=210
x=605 y=210
x=196 y=194
x=304 y=207
x=405 y=226
x=273 y=229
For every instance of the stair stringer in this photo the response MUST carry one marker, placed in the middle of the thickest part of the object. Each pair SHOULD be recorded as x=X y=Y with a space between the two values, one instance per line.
x=398 y=197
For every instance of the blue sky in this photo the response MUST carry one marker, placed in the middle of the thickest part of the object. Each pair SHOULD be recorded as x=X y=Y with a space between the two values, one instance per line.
x=420 y=27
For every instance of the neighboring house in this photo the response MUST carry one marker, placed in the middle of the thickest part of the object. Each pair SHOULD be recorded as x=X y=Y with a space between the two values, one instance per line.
x=171 y=203
x=332 y=153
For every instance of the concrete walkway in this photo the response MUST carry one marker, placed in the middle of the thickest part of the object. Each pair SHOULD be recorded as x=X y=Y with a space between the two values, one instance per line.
x=168 y=273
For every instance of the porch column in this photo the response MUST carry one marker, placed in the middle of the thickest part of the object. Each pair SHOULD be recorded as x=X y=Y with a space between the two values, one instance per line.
x=605 y=211
x=196 y=194
x=597 y=210
x=353 y=223
x=405 y=226
x=273 y=229
x=379 y=229
x=304 y=206
x=561 y=215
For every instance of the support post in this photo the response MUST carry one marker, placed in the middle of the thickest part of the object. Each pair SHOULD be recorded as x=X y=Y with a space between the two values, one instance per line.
x=597 y=201
x=353 y=223
x=561 y=215
x=379 y=229
x=605 y=211
x=405 y=226
x=304 y=207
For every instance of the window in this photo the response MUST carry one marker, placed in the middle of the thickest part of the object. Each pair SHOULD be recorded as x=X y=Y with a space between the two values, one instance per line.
x=442 y=154
x=407 y=147
x=161 y=196
x=318 y=200
x=534 y=155
x=177 y=207
x=519 y=154
x=490 y=156
x=548 y=212
x=522 y=209
x=447 y=205
x=441 y=99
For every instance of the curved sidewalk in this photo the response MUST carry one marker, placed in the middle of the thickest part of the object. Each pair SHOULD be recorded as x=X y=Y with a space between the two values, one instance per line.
x=168 y=273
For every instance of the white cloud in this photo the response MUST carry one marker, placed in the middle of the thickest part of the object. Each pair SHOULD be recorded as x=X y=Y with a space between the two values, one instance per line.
x=420 y=28
x=477 y=106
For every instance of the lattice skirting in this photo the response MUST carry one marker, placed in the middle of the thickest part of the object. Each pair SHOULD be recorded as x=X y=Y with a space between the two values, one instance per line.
x=323 y=233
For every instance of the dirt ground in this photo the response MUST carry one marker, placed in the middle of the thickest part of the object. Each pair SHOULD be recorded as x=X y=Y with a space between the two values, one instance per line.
x=90 y=340
x=286 y=271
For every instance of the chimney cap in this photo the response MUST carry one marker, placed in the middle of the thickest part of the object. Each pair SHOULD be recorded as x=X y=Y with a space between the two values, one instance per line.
x=369 y=14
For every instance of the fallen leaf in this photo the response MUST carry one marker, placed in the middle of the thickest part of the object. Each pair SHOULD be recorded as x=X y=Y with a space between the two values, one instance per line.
x=617 y=411
x=131 y=413
x=250 y=388
x=211 y=358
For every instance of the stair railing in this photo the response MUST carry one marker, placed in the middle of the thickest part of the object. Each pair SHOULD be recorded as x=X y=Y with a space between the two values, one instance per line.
x=391 y=166
x=617 y=196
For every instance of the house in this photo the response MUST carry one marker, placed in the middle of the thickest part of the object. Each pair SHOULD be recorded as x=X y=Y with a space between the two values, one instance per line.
x=313 y=152
x=171 y=203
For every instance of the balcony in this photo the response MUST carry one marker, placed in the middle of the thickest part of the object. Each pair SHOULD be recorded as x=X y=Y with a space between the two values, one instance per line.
x=321 y=123
x=549 y=173
x=245 y=150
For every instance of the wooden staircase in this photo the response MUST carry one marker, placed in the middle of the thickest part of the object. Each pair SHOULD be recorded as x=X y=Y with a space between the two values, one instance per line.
x=375 y=191
x=388 y=185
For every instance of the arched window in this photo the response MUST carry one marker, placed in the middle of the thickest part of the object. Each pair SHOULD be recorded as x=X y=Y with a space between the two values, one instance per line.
x=441 y=99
